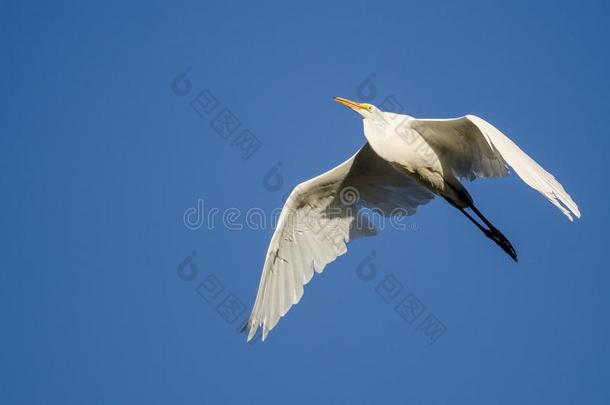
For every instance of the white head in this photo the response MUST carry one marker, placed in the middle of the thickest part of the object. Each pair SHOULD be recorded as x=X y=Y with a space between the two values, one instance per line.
x=364 y=109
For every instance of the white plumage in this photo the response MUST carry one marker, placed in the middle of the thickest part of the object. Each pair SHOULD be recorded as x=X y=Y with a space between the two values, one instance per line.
x=404 y=164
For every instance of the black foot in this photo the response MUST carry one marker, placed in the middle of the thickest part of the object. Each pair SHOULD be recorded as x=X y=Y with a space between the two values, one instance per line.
x=501 y=241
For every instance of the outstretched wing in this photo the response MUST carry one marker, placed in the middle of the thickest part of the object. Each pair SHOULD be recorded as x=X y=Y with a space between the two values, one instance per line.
x=472 y=147
x=319 y=217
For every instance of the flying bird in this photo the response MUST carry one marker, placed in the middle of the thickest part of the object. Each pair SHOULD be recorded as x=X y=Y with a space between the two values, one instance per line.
x=405 y=163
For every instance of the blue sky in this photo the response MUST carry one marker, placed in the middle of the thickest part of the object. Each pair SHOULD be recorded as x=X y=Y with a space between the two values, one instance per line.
x=101 y=158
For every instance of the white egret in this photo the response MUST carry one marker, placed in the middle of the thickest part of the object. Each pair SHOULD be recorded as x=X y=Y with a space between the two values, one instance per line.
x=405 y=163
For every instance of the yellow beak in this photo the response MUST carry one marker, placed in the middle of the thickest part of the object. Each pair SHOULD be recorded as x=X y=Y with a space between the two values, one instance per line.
x=351 y=104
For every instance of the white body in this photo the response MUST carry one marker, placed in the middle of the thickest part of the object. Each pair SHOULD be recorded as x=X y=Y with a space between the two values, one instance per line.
x=396 y=140
x=404 y=164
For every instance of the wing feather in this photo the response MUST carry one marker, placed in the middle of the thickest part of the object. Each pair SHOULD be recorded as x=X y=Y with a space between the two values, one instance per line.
x=315 y=226
x=472 y=147
x=527 y=168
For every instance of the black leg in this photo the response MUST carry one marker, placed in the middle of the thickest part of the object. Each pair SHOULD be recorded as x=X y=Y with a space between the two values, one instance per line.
x=492 y=233
x=474 y=221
